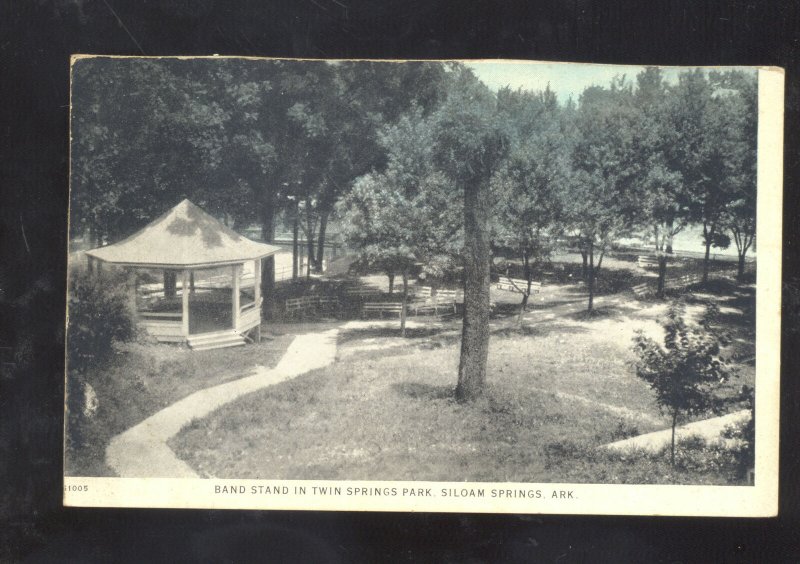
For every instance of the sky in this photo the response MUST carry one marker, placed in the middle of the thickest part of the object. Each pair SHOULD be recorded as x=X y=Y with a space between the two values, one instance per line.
x=566 y=79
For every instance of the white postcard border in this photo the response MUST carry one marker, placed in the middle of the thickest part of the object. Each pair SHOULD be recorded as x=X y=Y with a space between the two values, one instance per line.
x=759 y=500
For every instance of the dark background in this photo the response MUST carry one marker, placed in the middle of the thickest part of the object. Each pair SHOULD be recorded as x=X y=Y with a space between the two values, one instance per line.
x=36 y=39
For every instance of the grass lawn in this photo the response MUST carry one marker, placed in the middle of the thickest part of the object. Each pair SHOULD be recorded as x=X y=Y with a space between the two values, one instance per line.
x=142 y=379
x=560 y=386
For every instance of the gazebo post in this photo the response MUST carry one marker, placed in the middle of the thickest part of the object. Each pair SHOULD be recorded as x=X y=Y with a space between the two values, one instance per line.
x=185 y=303
x=236 y=271
x=257 y=294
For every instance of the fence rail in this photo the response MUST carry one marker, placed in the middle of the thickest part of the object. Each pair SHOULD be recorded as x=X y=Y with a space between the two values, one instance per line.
x=649 y=288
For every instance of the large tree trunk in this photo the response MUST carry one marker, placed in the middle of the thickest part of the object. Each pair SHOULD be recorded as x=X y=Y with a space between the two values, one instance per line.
x=591 y=275
x=707 y=237
x=670 y=225
x=310 y=229
x=662 y=274
x=405 y=302
x=170 y=285
x=323 y=227
x=740 y=267
x=295 y=242
x=526 y=294
x=585 y=265
x=475 y=331
x=268 y=264
x=672 y=445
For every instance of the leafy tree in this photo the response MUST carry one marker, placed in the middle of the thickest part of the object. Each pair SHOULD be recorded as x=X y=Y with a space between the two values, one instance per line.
x=601 y=201
x=696 y=153
x=405 y=215
x=529 y=186
x=662 y=198
x=363 y=98
x=469 y=145
x=739 y=100
x=684 y=371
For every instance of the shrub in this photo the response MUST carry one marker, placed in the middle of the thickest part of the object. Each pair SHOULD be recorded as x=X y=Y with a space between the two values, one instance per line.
x=684 y=372
x=101 y=312
x=731 y=457
x=624 y=430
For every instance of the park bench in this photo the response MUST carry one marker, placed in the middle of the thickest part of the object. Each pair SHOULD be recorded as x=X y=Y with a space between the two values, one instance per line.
x=362 y=292
x=328 y=303
x=425 y=300
x=305 y=304
x=517 y=285
x=381 y=308
x=642 y=290
x=647 y=261
x=447 y=299
x=682 y=281
x=301 y=306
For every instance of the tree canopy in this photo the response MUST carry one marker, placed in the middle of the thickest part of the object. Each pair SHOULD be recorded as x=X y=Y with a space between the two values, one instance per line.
x=420 y=164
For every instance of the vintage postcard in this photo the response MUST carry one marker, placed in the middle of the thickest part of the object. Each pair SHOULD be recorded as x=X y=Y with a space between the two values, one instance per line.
x=456 y=286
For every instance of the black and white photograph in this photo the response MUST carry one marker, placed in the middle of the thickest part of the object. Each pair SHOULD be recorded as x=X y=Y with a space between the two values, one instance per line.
x=478 y=285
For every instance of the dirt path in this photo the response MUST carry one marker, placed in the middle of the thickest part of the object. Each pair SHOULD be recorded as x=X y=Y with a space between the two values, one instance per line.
x=142 y=450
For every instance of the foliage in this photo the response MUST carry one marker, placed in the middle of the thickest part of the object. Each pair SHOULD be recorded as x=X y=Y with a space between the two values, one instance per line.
x=100 y=313
x=684 y=372
x=406 y=214
x=740 y=93
x=606 y=166
x=529 y=187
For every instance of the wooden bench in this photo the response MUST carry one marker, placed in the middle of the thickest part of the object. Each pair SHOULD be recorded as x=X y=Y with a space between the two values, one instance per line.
x=328 y=303
x=517 y=285
x=300 y=306
x=361 y=292
x=647 y=261
x=305 y=304
x=423 y=293
x=381 y=307
x=425 y=300
x=445 y=298
x=642 y=290
x=682 y=281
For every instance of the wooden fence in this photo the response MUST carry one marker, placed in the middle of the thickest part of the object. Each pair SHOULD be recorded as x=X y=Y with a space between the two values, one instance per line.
x=650 y=288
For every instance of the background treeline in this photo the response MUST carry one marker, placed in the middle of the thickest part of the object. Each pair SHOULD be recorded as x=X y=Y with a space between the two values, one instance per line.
x=387 y=149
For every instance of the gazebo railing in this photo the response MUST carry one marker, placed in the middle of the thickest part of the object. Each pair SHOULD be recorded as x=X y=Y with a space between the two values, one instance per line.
x=249 y=316
x=164 y=326
x=160 y=315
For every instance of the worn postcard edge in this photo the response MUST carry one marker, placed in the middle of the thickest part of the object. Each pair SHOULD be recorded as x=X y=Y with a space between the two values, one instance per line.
x=759 y=500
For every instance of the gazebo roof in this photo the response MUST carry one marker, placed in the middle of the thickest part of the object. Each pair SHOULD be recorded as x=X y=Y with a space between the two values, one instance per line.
x=185 y=236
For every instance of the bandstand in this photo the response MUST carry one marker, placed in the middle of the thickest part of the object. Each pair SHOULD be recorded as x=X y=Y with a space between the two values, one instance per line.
x=210 y=296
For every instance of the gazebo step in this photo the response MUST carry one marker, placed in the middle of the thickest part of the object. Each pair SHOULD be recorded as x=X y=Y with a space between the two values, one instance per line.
x=216 y=340
x=219 y=345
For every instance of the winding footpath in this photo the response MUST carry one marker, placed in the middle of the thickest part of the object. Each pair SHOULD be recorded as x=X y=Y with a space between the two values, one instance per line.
x=142 y=450
x=709 y=429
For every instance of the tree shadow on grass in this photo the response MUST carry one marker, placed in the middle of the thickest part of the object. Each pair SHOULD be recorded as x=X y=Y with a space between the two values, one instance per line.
x=349 y=335
x=602 y=312
x=539 y=330
x=507 y=309
x=419 y=390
